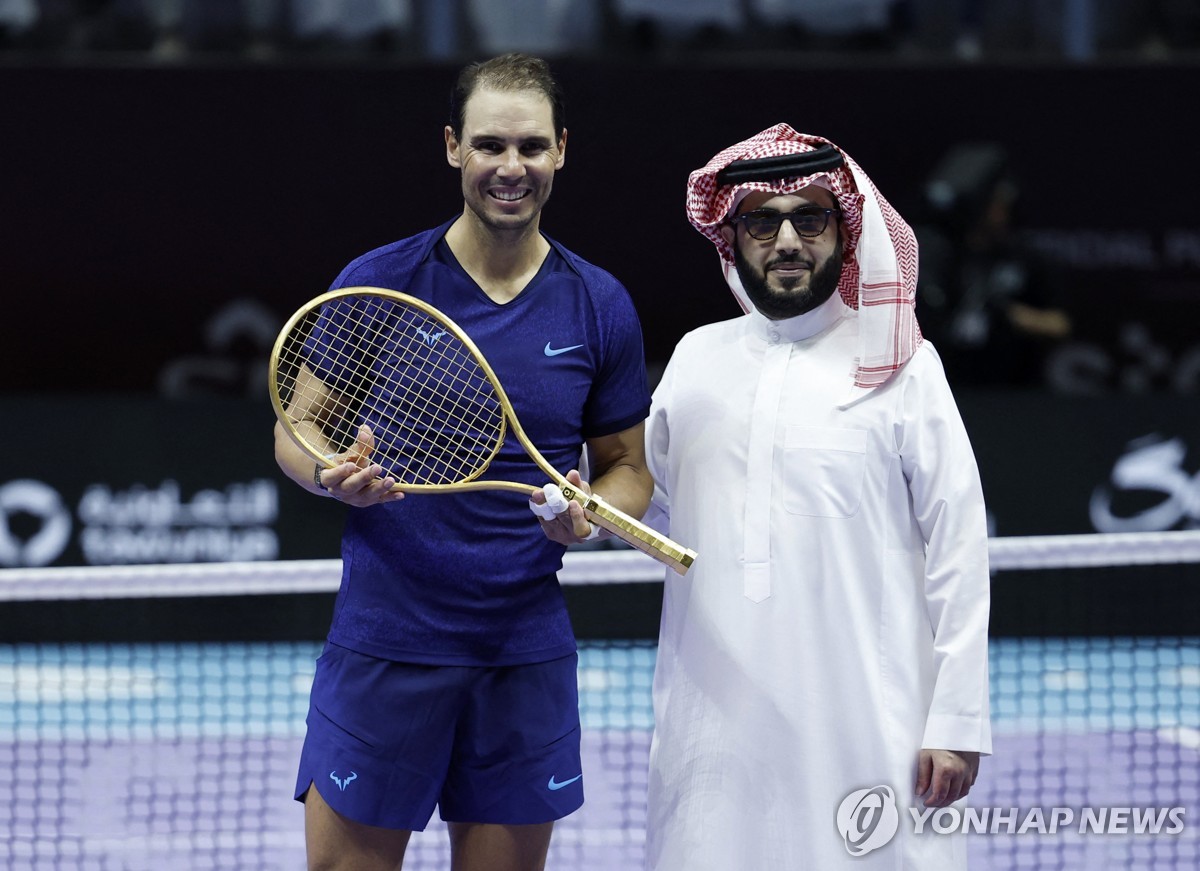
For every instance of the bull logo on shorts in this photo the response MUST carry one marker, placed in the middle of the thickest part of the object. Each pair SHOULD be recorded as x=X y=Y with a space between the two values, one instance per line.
x=343 y=782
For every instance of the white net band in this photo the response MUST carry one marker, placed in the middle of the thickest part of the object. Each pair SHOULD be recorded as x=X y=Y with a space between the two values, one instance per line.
x=579 y=567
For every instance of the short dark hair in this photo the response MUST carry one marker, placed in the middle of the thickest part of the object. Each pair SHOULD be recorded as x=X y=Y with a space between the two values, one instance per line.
x=508 y=72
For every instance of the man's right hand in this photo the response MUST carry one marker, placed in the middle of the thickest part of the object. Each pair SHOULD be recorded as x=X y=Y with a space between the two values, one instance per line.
x=355 y=480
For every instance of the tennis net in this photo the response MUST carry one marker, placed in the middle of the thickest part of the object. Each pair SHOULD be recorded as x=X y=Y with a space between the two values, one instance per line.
x=152 y=716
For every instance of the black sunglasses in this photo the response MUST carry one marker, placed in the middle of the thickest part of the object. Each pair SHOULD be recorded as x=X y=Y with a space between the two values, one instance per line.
x=764 y=224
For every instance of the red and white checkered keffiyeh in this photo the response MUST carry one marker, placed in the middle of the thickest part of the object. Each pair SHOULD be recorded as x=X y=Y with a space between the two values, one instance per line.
x=879 y=271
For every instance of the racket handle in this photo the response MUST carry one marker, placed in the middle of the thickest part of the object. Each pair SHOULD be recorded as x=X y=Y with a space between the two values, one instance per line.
x=633 y=531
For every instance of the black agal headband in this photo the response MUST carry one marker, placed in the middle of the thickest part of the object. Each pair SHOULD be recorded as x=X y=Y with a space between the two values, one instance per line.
x=778 y=166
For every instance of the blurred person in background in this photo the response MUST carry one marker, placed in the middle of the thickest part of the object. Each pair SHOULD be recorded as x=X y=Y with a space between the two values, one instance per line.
x=353 y=26
x=17 y=17
x=985 y=299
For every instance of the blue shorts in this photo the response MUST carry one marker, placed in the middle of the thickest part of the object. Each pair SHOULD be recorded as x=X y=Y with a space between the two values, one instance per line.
x=387 y=741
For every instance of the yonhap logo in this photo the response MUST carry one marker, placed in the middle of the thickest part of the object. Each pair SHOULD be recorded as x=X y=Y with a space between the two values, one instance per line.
x=867 y=819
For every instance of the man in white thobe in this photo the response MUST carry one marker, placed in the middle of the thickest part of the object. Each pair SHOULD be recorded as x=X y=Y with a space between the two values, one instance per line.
x=822 y=668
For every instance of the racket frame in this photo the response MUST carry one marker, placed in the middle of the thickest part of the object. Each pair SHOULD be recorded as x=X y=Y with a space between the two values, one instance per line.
x=598 y=511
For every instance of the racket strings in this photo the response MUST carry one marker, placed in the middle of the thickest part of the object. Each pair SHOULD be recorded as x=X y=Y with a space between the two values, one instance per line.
x=455 y=418
x=433 y=414
x=435 y=406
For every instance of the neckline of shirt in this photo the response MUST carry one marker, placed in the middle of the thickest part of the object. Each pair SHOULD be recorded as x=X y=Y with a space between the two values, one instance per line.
x=801 y=327
x=551 y=263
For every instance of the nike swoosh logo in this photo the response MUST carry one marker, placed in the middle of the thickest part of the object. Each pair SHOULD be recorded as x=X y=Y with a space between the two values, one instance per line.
x=555 y=785
x=554 y=352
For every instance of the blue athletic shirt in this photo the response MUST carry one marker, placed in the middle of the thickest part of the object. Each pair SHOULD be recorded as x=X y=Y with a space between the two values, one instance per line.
x=470 y=578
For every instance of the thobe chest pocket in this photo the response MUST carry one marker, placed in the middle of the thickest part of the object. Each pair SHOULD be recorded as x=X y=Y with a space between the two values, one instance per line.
x=823 y=470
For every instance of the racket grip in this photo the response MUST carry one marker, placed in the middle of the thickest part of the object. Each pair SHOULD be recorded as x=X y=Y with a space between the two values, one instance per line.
x=634 y=532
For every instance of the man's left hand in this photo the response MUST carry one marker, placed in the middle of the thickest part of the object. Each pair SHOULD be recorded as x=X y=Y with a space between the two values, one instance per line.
x=571 y=526
x=945 y=776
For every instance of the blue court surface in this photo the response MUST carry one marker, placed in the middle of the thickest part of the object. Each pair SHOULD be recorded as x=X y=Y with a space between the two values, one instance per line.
x=182 y=756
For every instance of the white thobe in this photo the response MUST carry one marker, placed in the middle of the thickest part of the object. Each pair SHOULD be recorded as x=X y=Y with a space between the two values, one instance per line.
x=835 y=621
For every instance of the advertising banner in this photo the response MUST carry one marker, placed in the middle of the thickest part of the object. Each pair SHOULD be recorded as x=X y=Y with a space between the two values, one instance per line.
x=1056 y=465
x=126 y=481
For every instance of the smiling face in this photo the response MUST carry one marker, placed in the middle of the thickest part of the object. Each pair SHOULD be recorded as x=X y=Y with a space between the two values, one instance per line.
x=790 y=274
x=508 y=156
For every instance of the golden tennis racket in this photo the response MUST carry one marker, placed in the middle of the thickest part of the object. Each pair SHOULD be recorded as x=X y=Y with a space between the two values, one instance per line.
x=437 y=412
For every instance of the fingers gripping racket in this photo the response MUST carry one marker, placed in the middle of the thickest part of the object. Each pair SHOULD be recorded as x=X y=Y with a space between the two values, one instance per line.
x=436 y=412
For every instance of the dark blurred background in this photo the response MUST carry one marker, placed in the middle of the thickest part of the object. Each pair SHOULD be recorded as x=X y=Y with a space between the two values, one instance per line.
x=177 y=177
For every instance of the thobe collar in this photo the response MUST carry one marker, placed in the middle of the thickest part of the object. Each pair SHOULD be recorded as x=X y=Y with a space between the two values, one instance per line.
x=801 y=327
x=773 y=343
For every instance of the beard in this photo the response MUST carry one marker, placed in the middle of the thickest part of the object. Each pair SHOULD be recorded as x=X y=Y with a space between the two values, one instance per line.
x=792 y=299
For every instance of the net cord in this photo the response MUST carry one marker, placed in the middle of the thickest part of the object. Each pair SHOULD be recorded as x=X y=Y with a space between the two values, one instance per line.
x=579 y=567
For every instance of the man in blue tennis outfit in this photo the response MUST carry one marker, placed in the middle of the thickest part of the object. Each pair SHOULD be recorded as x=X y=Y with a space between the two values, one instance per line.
x=449 y=675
